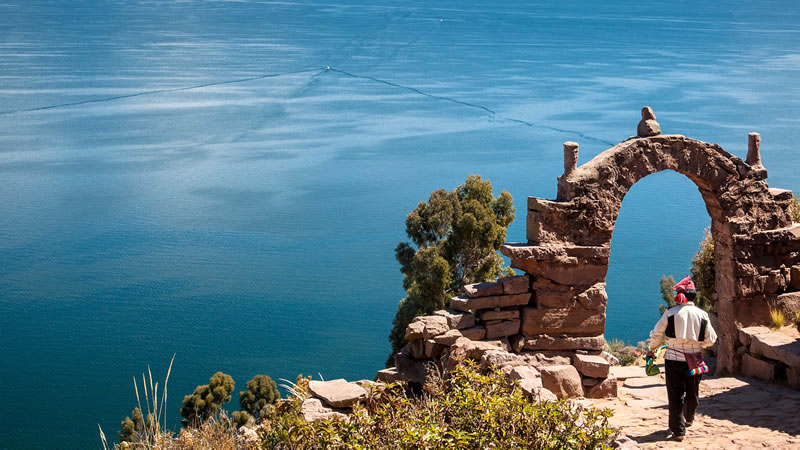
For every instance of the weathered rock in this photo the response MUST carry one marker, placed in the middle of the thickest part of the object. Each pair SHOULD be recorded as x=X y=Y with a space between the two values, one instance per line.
x=515 y=285
x=410 y=369
x=475 y=333
x=484 y=289
x=499 y=314
x=431 y=326
x=540 y=359
x=448 y=338
x=502 y=328
x=475 y=349
x=415 y=349
x=414 y=330
x=390 y=375
x=589 y=382
x=794 y=278
x=606 y=388
x=433 y=349
x=500 y=301
x=777 y=346
x=552 y=321
x=545 y=342
x=516 y=342
x=521 y=372
x=758 y=368
x=591 y=366
x=337 y=393
x=622 y=442
x=313 y=410
x=648 y=126
x=563 y=381
x=457 y=319
x=501 y=358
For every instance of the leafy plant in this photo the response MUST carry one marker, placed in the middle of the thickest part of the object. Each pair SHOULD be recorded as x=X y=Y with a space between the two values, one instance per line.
x=207 y=399
x=260 y=395
x=455 y=238
x=466 y=410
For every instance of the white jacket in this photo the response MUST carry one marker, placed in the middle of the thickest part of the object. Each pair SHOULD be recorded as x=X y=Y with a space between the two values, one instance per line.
x=687 y=328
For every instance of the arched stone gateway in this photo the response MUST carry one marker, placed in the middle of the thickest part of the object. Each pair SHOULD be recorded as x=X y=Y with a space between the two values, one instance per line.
x=546 y=328
x=756 y=243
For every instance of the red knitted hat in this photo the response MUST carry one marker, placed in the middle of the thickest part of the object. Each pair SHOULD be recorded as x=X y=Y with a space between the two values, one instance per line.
x=684 y=285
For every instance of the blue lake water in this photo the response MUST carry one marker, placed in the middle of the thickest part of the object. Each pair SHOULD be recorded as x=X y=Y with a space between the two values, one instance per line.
x=186 y=177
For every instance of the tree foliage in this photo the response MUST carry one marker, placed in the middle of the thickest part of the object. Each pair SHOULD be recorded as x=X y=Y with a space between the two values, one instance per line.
x=260 y=396
x=207 y=399
x=132 y=428
x=794 y=208
x=703 y=275
x=454 y=240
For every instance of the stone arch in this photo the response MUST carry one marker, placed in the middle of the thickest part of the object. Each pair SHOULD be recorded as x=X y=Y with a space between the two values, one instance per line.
x=569 y=238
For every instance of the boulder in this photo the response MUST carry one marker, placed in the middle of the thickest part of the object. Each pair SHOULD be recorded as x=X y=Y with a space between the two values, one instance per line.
x=794 y=278
x=475 y=333
x=605 y=388
x=414 y=330
x=591 y=366
x=541 y=359
x=390 y=375
x=521 y=372
x=502 y=328
x=515 y=285
x=337 y=393
x=448 y=338
x=648 y=126
x=563 y=381
x=624 y=372
x=571 y=321
x=758 y=368
x=499 y=314
x=457 y=319
x=434 y=325
x=546 y=342
x=433 y=349
x=475 y=349
x=484 y=289
x=501 y=358
x=778 y=346
x=464 y=303
x=410 y=369
x=415 y=349
x=313 y=410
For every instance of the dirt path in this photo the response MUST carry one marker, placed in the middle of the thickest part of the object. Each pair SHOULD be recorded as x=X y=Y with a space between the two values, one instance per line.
x=734 y=412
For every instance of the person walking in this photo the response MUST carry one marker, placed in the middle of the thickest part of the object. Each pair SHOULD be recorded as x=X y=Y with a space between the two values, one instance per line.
x=687 y=329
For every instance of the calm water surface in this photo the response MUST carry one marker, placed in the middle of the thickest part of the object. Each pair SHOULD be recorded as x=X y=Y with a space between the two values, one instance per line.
x=186 y=177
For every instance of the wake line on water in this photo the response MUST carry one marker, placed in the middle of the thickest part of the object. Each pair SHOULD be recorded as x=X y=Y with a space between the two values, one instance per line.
x=492 y=113
x=160 y=91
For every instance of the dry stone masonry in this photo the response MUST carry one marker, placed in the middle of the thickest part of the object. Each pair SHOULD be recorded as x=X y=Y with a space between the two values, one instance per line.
x=545 y=328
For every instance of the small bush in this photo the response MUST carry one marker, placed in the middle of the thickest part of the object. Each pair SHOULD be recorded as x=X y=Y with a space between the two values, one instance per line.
x=627 y=355
x=467 y=410
x=207 y=399
x=776 y=317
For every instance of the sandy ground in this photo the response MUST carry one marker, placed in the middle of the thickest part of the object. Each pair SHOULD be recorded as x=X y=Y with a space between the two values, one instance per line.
x=734 y=412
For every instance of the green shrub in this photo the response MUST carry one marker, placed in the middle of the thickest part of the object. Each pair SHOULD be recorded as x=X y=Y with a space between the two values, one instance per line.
x=794 y=208
x=207 y=399
x=261 y=394
x=627 y=355
x=467 y=410
x=455 y=239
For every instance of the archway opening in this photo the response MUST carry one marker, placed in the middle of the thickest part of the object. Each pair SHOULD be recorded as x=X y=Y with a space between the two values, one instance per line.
x=660 y=225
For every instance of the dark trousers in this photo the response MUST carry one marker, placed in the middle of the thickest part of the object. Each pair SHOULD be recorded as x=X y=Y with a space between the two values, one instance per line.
x=683 y=391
